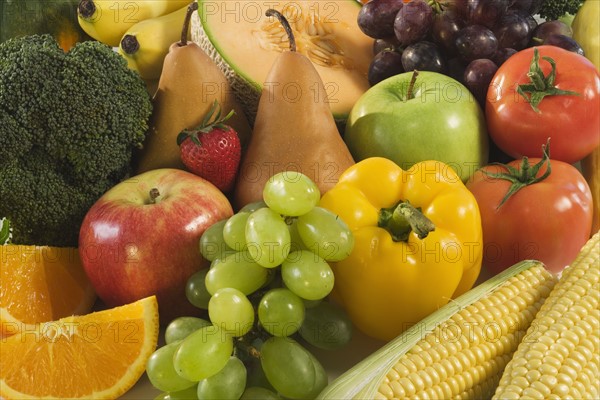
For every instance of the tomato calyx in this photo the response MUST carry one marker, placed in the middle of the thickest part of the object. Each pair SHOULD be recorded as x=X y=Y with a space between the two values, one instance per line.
x=525 y=175
x=541 y=85
x=402 y=219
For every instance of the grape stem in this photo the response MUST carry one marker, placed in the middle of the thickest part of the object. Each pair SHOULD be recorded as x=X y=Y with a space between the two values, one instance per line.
x=247 y=348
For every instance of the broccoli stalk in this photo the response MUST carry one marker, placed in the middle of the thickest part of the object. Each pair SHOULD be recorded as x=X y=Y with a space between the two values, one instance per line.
x=552 y=10
x=69 y=123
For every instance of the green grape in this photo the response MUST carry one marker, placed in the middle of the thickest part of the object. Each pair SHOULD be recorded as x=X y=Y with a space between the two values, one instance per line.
x=186 y=394
x=237 y=271
x=161 y=372
x=256 y=375
x=181 y=327
x=311 y=303
x=251 y=207
x=267 y=237
x=203 y=353
x=195 y=289
x=234 y=231
x=280 y=312
x=307 y=275
x=291 y=193
x=325 y=234
x=259 y=393
x=321 y=378
x=288 y=367
x=229 y=383
x=326 y=326
x=212 y=243
x=231 y=311
x=295 y=239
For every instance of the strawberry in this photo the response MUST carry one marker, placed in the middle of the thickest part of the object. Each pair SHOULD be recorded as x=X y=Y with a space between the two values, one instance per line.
x=212 y=150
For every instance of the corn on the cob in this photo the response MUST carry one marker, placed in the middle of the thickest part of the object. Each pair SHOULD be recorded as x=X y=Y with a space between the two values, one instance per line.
x=459 y=351
x=559 y=358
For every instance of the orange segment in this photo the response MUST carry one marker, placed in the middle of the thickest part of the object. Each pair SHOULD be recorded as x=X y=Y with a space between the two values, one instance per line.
x=39 y=284
x=95 y=356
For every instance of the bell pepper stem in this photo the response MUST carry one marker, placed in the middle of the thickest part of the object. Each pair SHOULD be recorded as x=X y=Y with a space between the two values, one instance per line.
x=402 y=219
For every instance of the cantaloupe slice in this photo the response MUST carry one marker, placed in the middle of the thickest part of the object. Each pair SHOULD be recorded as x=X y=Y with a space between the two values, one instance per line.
x=244 y=43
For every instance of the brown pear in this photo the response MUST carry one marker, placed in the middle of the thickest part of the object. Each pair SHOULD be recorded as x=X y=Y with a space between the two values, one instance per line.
x=189 y=84
x=294 y=128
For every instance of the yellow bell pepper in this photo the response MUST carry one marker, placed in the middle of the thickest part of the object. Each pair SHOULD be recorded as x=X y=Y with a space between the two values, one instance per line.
x=418 y=242
x=586 y=30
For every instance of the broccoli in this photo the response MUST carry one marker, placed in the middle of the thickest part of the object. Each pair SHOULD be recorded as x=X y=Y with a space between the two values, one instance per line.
x=552 y=10
x=69 y=123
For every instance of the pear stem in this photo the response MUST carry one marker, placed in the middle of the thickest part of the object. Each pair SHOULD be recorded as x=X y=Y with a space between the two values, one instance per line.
x=186 y=23
x=286 y=25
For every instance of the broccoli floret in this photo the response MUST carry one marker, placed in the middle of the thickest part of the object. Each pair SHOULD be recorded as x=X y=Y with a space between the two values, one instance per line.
x=69 y=123
x=552 y=10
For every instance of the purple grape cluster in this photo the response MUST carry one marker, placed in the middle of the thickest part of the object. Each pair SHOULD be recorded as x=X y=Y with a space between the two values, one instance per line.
x=465 y=39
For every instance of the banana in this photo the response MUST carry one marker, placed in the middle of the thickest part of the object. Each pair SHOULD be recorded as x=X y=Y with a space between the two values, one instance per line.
x=108 y=20
x=146 y=43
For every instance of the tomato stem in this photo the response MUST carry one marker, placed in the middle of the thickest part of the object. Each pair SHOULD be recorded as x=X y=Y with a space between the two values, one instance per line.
x=525 y=175
x=402 y=219
x=541 y=85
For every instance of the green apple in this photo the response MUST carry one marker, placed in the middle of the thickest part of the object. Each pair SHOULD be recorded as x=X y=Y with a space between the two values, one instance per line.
x=409 y=118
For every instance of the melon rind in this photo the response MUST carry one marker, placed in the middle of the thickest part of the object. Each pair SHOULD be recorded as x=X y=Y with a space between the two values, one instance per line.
x=246 y=90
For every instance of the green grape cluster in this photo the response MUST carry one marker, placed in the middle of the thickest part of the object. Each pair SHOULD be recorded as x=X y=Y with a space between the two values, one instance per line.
x=265 y=297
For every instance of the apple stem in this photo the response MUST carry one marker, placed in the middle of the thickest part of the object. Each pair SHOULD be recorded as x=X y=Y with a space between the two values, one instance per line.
x=186 y=23
x=411 y=86
x=154 y=196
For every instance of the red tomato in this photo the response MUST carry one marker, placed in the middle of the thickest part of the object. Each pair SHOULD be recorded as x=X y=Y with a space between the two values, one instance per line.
x=547 y=221
x=573 y=122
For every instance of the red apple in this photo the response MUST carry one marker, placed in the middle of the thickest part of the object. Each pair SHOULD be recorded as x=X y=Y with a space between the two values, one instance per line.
x=134 y=244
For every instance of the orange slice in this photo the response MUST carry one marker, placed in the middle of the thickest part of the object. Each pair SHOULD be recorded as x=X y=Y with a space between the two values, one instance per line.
x=39 y=284
x=100 y=355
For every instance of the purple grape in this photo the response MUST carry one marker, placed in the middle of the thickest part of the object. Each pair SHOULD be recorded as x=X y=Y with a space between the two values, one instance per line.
x=385 y=64
x=376 y=17
x=457 y=6
x=502 y=55
x=564 y=42
x=390 y=43
x=478 y=76
x=548 y=28
x=455 y=68
x=413 y=22
x=513 y=31
x=476 y=41
x=533 y=24
x=520 y=5
x=444 y=29
x=423 y=56
x=486 y=12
